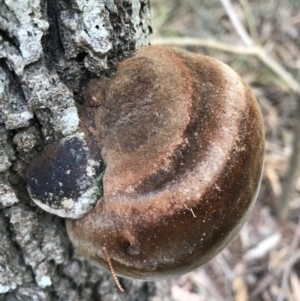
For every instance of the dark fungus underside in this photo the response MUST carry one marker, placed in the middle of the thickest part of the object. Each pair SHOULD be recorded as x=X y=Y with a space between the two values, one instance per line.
x=54 y=172
x=182 y=139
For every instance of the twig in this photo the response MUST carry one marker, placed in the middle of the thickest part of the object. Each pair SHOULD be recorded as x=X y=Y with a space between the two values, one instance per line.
x=112 y=270
x=288 y=267
x=296 y=239
x=240 y=29
x=289 y=80
x=225 y=267
x=190 y=210
x=250 y=20
x=292 y=172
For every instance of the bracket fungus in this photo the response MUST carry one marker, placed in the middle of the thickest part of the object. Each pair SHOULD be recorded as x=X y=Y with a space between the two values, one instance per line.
x=182 y=141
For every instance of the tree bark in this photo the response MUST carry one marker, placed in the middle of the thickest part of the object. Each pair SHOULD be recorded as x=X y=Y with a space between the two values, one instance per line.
x=47 y=48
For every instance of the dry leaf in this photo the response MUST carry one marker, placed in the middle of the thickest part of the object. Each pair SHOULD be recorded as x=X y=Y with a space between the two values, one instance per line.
x=263 y=248
x=295 y=285
x=180 y=294
x=240 y=289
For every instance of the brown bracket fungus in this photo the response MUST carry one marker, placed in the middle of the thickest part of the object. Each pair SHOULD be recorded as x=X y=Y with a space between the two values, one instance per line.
x=181 y=136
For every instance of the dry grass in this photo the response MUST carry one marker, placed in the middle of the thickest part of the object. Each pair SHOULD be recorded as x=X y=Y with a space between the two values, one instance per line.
x=263 y=261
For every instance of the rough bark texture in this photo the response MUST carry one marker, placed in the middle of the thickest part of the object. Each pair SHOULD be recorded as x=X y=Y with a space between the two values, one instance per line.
x=47 y=48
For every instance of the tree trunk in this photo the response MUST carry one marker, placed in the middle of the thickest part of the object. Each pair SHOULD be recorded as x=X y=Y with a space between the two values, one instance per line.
x=47 y=48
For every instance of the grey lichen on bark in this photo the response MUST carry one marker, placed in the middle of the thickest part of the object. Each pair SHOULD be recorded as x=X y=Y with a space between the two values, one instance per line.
x=47 y=48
